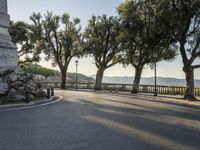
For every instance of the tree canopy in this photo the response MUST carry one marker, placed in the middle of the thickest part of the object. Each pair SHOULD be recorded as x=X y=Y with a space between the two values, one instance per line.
x=144 y=37
x=60 y=38
x=182 y=18
x=102 y=42
x=24 y=37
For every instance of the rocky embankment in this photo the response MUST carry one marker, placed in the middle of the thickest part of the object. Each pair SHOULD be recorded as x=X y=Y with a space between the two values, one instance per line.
x=17 y=85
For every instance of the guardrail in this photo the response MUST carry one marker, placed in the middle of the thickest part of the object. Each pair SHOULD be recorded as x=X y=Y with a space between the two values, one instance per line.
x=169 y=90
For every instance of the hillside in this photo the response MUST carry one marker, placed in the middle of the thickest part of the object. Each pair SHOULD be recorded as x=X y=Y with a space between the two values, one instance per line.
x=39 y=70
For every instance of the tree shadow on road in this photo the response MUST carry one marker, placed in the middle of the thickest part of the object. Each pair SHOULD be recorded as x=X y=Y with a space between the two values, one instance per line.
x=171 y=128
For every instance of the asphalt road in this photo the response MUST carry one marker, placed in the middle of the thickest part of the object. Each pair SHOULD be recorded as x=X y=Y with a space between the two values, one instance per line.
x=95 y=121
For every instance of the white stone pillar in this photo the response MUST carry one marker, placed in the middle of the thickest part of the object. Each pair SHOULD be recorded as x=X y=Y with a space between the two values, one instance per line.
x=8 y=51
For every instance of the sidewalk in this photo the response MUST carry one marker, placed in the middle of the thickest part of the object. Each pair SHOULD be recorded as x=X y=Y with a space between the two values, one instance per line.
x=173 y=99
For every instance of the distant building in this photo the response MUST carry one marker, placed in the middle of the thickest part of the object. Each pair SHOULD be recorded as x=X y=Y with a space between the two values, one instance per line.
x=38 y=77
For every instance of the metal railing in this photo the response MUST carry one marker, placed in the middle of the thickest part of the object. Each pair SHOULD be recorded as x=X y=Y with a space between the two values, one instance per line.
x=169 y=90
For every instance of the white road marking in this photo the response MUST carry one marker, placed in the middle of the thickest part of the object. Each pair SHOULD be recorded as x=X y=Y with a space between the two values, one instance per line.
x=28 y=107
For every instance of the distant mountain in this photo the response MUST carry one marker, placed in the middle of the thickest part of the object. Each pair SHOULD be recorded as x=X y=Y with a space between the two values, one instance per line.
x=148 y=81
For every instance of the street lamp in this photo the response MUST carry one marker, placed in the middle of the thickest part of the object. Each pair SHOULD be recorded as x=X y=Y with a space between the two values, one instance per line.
x=76 y=74
x=155 y=55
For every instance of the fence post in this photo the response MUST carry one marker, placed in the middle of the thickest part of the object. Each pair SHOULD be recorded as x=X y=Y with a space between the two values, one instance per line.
x=52 y=91
x=48 y=93
x=198 y=92
x=123 y=87
x=88 y=86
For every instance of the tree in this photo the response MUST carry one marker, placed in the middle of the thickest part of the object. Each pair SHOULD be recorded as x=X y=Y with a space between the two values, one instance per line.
x=182 y=18
x=61 y=39
x=101 y=41
x=25 y=39
x=143 y=36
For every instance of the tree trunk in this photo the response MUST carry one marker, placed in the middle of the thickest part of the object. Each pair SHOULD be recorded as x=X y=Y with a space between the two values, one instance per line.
x=99 y=78
x=63 y=78
x=189 y=74
x=136 y=82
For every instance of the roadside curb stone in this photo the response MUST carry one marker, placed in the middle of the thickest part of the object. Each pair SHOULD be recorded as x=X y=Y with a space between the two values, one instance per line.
x=21 y=105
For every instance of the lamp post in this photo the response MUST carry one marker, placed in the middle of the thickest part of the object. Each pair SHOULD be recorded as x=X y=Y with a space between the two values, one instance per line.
x=76 y=74
x=155 y=55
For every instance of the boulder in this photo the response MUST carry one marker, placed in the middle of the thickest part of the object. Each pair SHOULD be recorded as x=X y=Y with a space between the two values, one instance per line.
x=17 y=85
x=4 y=87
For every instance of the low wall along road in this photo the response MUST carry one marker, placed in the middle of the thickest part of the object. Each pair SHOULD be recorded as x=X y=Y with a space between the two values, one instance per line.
x=169 y=90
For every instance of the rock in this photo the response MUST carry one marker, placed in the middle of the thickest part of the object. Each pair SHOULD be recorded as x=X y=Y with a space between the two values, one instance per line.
x=17 y=85
x=18 y=70
x=5 y=71
x=13 y=77
x=4 y=87
x=15 y=95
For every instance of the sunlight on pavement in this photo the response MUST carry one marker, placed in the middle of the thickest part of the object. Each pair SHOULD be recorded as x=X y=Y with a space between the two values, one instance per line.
x=135 y=102
x=143 y=100
x=139 y=134
x=166 y=119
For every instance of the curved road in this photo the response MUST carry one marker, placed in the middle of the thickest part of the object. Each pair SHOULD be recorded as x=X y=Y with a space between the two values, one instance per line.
x=95 y=121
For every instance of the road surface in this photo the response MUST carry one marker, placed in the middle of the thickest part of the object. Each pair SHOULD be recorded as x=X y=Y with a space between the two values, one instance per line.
x=97 y=121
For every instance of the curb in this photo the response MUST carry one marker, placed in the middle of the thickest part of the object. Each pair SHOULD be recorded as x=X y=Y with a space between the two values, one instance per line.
x=31 y=104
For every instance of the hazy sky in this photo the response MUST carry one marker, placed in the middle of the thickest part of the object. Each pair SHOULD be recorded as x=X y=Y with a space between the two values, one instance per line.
x=84 y=9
